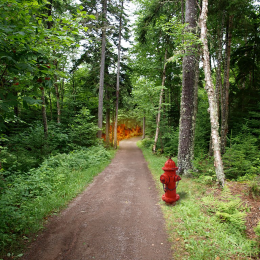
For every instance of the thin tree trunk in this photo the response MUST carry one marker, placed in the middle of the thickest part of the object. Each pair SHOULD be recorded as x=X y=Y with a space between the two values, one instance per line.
x=160 y=103
x=218 y=75
x=107 y=126
x=188 y=97
x=225 y=96
x=57 y=95
x=44 y=116
x=143 y=137
x=58 y=103
x=62 y=92
x=50 y=103
x=118 y=75
x=102 y=70
x=211 y=97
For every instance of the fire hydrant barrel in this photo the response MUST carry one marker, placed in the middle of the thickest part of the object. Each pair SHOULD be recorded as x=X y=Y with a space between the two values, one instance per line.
x=169 y=179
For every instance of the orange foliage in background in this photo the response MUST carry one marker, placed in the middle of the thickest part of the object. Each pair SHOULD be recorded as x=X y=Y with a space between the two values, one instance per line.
x=123 y=132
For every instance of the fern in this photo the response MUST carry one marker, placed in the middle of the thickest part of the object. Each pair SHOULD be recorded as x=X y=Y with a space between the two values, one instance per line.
x=229 y=210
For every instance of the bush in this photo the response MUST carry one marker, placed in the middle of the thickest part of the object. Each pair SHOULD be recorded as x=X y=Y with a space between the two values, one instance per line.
x=23 y=196
x=82 y=131
x=148 y=143
x=171 y=140
x=242 y=157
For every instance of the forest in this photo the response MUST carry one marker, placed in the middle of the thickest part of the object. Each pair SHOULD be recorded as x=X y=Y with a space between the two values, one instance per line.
x=77 y=77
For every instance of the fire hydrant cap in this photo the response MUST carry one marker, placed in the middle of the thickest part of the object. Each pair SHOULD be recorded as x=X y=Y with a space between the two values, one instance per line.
x=169 y=165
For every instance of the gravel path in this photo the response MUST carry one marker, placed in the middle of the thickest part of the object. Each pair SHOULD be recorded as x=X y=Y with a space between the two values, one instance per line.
x=117 y=217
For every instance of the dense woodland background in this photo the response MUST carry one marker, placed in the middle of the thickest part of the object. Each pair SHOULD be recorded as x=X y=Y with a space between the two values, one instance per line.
x=57 y=57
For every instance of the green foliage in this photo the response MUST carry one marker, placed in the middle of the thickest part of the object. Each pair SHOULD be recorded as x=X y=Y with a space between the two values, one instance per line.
x=242 y=157
x=254 y=186
x=26 y=199
x=170 y=140
x=83 y=130
x=229 y=209
x=206 y=179
x=147 y=143
x=257 y=231
x=184 y=39
x=28 y=148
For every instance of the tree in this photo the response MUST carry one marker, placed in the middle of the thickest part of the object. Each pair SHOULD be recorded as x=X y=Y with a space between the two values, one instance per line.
x=118 y=75
x=160 y=104
x=189 y=96
x=102 y=69
x=211 y=96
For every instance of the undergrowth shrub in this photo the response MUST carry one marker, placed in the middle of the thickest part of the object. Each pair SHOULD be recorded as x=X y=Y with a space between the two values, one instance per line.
x=28 y=149
x=257 y=232
x=242 y=157
x=254 y=186
x=83 y=130
x=171 y=140
x=228 y=209
x=24 y=196
x=148 y=143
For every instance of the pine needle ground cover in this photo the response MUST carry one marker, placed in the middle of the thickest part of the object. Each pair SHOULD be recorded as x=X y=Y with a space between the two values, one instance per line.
x=202 y=226
x=27 y=200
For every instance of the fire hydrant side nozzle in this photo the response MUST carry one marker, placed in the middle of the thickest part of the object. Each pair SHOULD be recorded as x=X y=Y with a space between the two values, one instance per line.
x=169 y=179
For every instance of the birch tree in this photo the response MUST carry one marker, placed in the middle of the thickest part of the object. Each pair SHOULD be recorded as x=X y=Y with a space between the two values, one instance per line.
x=102 y=70
x=118 y=74
x=160 y=103
x=211 y=96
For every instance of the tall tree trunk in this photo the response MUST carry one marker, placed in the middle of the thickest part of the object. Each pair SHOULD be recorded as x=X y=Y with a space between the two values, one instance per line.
x=225 y=92
x=44 y=115
x=160 y=103
x=118 y=75
x=62 y=92
x=211 y=97
x=143 y=137
x=218 y=75
x=58 y=102
x=50 y=103
x=107 y=126
x=188 y=102
x=57 y=94
x=102 y=70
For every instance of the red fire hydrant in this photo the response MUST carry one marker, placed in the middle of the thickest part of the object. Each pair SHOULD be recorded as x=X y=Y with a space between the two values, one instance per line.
x=169 y=179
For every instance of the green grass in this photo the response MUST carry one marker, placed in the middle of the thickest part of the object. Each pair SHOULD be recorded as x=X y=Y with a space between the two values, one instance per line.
x=29 y=200
x=194 y=228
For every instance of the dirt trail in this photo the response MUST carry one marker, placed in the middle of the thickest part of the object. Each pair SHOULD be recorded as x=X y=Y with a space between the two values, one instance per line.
x=117 y=217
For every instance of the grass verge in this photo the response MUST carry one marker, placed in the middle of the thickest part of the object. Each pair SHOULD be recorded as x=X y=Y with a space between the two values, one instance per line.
x=196 y=227
x=28 y=200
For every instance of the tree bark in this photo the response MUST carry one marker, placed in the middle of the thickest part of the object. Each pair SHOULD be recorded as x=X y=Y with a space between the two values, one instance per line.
x=160 y=103
x=102 y=70
x=143 y=137
x=50 y=103
x=107 y=126
x=211 y=96
x=57 y=95
x=188 y=97
x=218 y=75
x=225 y=92
x=44 y=116
x=118 y=75
x=58 y=103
